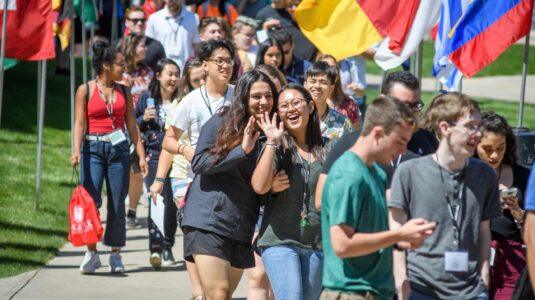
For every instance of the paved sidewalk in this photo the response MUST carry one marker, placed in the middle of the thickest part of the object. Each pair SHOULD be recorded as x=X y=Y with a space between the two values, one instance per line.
x=496 y=87
x=61 y=278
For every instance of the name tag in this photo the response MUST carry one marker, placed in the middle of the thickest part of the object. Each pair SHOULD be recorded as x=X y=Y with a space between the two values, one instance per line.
x=456 y=261
x=174 y=51
x=117 y=137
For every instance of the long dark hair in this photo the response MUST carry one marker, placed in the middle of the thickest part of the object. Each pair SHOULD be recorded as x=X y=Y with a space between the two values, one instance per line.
x=493 y=122
x=127 y=46
x=154 y=85
x=235 y=118
x=313 y=139
x=103 y=53
x=262 y=49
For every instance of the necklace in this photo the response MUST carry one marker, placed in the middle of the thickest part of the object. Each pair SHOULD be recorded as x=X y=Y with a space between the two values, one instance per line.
x=306 y=174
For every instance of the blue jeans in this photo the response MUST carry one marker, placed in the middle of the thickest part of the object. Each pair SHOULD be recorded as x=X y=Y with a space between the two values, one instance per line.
x=99 y=161
x=415 y=295
x=294 y=272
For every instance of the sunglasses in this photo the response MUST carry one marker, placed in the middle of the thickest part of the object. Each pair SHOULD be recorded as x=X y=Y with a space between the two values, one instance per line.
x=135 y=21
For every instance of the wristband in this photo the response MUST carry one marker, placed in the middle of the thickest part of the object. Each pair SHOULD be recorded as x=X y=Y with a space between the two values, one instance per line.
x=272 y=145
x=181 y=149
x=159 y=179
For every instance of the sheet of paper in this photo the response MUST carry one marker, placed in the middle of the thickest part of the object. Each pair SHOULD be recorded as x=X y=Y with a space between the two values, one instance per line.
x=156 y=212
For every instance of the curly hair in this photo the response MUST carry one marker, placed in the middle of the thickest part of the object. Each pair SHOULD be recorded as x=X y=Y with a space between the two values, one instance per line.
x=493 y=122
x=235 y=118
x=103 y=54
x=405 y=78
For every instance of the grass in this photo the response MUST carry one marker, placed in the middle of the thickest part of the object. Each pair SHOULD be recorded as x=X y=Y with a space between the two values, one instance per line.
x=30 y=237
x=509 y=63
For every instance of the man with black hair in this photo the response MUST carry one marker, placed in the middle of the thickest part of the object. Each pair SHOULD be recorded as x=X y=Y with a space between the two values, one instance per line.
x=294 y=67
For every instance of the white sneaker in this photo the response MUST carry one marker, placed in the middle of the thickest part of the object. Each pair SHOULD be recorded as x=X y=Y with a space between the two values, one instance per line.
x=116 y=265
x=90 y=263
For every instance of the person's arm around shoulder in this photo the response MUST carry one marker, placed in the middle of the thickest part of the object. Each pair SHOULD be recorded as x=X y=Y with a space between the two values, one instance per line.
x=80 y=119
x=134 y=133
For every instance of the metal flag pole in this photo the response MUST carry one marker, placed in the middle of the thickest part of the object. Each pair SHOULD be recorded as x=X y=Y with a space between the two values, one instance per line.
x=418 y=63
x=84 y=55
x=3 y=56
x=41 y=122
x=114 y=23
x=91 y=41
x=73 y=73
x=523 y=85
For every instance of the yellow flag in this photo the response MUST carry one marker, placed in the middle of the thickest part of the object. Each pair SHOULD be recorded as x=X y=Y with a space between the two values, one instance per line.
x=337 y=27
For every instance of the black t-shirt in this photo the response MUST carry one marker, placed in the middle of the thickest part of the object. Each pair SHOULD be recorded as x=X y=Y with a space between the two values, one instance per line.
x=155 y=52
x=504 y=226
x=423 y=142
x=303 y=49
x=347 y=141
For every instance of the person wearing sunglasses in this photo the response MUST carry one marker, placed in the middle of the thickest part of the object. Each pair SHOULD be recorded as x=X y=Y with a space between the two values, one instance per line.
x=135 y=21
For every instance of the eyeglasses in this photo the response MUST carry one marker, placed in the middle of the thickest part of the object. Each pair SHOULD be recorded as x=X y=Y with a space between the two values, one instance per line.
x=472 y=128
x=221 y=62
x=416 y=106
x=296 y=103
x=135 y=21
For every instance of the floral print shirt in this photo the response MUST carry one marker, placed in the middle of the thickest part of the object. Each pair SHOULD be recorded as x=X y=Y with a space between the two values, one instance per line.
x=334 y=125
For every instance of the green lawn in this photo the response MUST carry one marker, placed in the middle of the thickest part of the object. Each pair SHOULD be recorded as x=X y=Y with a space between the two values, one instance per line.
x=30 y=237
x=509 y=63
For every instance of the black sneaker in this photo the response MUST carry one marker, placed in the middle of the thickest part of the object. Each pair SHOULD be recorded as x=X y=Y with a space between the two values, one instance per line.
x=167 y=257
x=132 y=223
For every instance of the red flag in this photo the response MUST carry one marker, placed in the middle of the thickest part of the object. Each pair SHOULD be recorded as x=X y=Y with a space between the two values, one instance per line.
x=401 y=25
x=29 y=32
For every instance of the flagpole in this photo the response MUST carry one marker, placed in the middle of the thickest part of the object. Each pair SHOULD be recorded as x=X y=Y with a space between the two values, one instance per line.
x=418 y=63
x=92 y=40
x=84 y=56
x=524 y=76
x=3 y=56
x=73 y=74
x=41 y=121
x=114 y=22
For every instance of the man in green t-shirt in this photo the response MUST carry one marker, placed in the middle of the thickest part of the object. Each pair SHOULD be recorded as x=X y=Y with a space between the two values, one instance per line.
x=356 y=239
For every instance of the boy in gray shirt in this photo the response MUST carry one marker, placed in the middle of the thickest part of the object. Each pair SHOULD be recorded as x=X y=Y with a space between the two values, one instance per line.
x=457 y=192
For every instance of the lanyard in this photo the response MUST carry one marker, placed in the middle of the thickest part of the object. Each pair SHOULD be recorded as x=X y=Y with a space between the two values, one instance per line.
x=109 y=104
x=454 y=199
x=171 y=25
x=306 y=174
x=206 y=99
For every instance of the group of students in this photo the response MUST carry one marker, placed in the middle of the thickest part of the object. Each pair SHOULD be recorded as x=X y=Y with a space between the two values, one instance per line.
x=282 y=178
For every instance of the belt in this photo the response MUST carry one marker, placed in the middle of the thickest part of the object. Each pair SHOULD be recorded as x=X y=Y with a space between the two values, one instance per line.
x=99 y=138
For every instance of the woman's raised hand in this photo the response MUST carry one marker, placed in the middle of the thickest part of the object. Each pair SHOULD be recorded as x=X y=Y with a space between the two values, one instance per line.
x=272 y=132
x=249 y=136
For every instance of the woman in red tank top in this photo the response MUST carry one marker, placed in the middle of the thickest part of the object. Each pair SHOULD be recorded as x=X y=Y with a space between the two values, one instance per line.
x=104 y=108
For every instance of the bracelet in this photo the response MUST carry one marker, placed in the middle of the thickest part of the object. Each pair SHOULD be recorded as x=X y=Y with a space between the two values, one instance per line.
x=159 y=179
x=181 y=149
x=272 y=145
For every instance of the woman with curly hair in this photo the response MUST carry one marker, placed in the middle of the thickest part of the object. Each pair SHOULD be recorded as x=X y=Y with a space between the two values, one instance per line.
x=498 y=148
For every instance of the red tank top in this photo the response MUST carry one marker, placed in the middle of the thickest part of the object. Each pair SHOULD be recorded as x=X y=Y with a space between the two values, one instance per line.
x=98 y=118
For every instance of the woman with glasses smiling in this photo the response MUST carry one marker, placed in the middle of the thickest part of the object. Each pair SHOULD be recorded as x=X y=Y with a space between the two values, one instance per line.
x=290 y=233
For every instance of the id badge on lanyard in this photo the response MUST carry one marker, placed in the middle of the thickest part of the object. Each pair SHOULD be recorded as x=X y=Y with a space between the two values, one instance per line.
x=117 y=137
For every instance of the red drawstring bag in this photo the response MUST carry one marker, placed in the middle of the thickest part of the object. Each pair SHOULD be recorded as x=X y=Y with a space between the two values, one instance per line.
x=85 y=226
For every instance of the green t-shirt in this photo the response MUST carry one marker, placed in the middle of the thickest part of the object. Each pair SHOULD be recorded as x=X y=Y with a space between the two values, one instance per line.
x=354 y=195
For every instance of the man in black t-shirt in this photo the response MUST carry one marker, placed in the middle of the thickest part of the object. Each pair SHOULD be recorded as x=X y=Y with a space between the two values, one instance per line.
x=405 y=87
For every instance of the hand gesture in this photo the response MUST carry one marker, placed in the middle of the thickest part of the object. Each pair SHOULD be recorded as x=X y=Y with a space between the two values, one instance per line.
x=414 y=232
x=280 y=182
x=149 y=114
x=270 y=129
x=155 y=189
x=271 y=24
x=75 y=159
x=249 y=136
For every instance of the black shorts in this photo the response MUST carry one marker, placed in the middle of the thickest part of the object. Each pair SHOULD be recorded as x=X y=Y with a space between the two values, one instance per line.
x=134 y=163
x=199 y=241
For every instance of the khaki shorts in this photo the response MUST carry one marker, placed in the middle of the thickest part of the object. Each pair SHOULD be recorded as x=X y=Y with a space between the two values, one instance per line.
x=336 y=295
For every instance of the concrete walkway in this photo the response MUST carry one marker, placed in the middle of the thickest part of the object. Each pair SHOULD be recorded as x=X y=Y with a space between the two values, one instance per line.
x=496 y=87
x=61 y=278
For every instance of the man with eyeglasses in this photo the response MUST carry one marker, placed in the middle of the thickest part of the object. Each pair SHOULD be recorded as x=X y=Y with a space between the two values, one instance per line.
x=406 y=87
x=176 y=29
x=459 y=193
x=135 y=19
